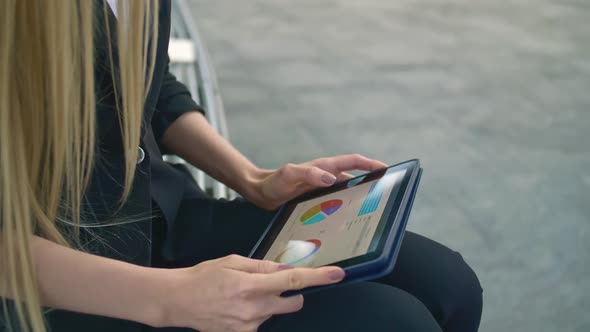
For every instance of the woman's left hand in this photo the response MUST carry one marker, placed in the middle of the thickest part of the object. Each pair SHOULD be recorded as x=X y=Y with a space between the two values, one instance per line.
x=271 y=188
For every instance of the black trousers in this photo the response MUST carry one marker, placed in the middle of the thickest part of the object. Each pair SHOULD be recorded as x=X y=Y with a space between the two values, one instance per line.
x=430 y=289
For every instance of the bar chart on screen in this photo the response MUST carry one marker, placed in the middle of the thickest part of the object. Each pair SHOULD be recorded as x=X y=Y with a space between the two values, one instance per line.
x=371 y=202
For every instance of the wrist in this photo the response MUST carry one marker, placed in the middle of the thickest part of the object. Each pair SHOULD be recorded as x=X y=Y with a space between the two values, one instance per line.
x=253 y=189
x=162 y=285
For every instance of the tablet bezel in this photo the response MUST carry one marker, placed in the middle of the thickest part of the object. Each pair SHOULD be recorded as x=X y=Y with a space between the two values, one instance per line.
x=388 y=221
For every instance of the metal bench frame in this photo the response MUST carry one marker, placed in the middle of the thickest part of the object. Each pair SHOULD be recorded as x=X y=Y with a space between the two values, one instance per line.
x=190 y=63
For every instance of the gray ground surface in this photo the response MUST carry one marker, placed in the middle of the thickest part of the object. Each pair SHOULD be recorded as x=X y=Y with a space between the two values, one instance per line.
x=493 y=96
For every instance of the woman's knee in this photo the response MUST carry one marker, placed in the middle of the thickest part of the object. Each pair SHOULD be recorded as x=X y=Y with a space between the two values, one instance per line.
x=466 y=296
x=460 y=294
x=439 y=278
x=472 y=288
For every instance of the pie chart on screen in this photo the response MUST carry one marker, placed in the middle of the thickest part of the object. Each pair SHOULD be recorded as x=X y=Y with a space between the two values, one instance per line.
x=299 y=253
x=320 y=212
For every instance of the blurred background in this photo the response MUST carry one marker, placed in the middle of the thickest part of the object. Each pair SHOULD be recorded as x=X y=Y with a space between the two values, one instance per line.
x=492 y=96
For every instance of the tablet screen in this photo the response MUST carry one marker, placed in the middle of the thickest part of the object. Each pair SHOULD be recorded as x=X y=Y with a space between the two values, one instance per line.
x=337 y=226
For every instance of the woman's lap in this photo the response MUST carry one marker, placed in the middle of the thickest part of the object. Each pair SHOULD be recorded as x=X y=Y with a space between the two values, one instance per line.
x=206 y=229
x=430 y=279
x=365 y=306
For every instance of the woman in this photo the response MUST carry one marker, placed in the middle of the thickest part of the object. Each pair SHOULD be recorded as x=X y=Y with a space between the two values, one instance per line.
x=95 y=226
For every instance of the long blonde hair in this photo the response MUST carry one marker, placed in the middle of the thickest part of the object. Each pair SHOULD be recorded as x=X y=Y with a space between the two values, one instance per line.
x=48 y=120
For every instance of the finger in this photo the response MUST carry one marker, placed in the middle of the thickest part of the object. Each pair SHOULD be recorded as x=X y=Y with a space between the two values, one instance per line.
x=240 y=263
x=283 y=305
x=344 y=176
x=300 y=278
x=304 y=187
x=308 y=174
x=350 y=162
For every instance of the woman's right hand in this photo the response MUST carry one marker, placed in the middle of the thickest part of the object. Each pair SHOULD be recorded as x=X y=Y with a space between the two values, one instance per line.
x=235 y=293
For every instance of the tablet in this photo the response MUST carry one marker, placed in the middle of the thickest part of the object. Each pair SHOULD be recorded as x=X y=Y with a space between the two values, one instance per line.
x=357 y=224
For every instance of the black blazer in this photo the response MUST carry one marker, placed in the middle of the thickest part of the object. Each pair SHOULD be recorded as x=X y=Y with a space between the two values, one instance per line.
x=157 y=186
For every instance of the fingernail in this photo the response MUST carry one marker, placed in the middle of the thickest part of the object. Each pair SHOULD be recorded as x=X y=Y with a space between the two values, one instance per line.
x=336 y=274
x=328 y=178
x=283 y=267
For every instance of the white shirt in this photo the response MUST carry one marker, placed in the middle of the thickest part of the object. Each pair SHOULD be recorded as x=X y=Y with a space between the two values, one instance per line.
x=113 y=5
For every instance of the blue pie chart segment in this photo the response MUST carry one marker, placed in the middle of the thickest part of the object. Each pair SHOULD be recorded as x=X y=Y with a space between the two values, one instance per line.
x=317 y=218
